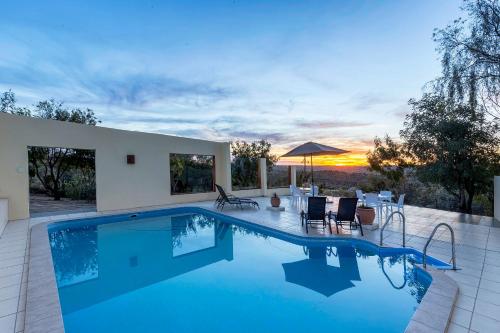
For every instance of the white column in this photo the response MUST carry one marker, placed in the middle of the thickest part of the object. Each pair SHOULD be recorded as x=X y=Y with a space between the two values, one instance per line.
x=293 y=175
x=496 y=200
x=226 y=181
x=263 y=176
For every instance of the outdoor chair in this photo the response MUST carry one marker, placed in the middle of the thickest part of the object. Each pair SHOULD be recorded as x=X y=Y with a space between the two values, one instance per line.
x=386 y=195
x=298 y=197
x=360 y=195
x=314 y=191
x=232 y=200
x=372 y=200
x=346 y=214
x=398 y=206
x=316 y=214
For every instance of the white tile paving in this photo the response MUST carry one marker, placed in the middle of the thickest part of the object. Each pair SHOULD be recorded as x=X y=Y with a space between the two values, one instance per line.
x=478 y=254
x=13 y=244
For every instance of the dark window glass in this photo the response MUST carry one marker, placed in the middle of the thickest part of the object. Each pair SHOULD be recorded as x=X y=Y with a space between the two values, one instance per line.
x=245 y=173
x=192 y=173
x=278 y=176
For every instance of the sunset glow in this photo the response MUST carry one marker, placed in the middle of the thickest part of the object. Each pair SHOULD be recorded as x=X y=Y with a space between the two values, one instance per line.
x=353 y=158
x=285 y=71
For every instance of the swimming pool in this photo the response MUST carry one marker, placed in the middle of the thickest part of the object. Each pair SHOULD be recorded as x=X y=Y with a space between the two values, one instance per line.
x=192 y=270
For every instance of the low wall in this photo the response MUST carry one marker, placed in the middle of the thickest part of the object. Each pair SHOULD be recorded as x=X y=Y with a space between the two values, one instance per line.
x=496 y=206
x=4 y=213
x=118 y=185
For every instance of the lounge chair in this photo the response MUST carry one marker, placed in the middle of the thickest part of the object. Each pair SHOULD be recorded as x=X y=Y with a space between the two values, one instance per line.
x=230 y=199
x=346 y=214
x=315 y=212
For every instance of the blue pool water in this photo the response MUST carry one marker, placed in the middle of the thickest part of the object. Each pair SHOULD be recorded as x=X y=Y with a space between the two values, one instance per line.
x=190 y=270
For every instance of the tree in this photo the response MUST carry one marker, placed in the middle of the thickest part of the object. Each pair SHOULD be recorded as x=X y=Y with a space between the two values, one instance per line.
x=453 y=145
x=8 y=105
x=48 y=109
x=245 y=161
x=254 y=150
x=388 y=159
x=51 y=165
x=470 y=50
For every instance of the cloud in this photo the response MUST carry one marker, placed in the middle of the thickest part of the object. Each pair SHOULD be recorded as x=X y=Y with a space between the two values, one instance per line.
x=142 y=89
x=361 y=102
x=255 y=135
x=320 y=124
x=401 y=111
x=158 y=120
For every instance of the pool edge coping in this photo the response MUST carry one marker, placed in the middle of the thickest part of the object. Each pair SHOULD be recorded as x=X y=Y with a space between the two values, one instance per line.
x=44 y=315
x=43 y=308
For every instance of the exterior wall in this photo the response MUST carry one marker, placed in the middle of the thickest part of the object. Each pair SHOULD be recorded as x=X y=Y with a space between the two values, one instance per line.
x=118 y=185
x=496 y=204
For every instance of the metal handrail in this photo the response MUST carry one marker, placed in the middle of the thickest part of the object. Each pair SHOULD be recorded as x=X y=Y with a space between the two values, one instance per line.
x=389 y=279
x=453 y=257
x=387 y=221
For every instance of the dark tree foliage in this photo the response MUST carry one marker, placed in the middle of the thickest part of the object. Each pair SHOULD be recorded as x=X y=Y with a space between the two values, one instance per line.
x=470 y=49
x=75 y=253
x=453 y=145
x=254 y=150
x=51 y=165
x=244 y=167
x=48 y=109
x=388 y=159
x=191 y=173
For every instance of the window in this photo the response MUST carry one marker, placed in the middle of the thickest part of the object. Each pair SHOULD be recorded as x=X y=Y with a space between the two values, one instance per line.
x=278 y=176
x=191 y=173
x=245 y=173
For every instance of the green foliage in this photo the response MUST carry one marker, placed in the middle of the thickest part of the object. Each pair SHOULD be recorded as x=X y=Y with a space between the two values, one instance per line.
x=8 y=105
x=245 y=163
x=80 y=184
x=191 y=173
x=453 y=145
x=55 y=167
x=449 y=136
x=48 y=109
x=388 y=159
x=470 y=50
x=254 y=150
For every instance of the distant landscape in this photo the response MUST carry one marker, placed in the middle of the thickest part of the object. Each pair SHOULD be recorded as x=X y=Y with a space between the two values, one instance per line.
x=345 y=180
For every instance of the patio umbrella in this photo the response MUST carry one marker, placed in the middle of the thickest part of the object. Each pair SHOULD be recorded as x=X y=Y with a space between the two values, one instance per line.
x=313 y=149
x=315 y=274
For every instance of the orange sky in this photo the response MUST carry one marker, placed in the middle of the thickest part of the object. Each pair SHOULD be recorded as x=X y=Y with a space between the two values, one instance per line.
x=356 y=157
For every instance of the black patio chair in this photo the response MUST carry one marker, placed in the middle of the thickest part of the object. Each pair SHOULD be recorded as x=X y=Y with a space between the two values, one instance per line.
x=230 y=199
x=315 y=212
x=346 y=214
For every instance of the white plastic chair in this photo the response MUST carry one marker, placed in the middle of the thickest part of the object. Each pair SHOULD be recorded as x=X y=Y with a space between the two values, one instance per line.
x=398 y=206
x=298 y=198
x=372 y=200
x=386 y=195
x=360 y=196
x=314 y=191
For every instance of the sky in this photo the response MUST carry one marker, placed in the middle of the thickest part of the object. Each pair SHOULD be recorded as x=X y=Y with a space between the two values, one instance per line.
x=335 y=72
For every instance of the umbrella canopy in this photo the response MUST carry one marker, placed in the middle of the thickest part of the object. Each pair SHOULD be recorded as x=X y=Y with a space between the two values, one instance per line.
x=313 y=149
x=315 y=274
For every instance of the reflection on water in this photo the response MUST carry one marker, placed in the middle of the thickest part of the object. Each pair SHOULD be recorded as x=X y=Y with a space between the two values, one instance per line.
x=194 y=262
x=316 y=274
x=74 y=254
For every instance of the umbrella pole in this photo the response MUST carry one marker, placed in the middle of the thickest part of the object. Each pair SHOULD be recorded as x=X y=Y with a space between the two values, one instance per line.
x=305 y=170
x=312 y=177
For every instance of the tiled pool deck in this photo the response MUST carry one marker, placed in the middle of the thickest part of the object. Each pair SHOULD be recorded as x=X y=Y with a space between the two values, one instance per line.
x=478 y=255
